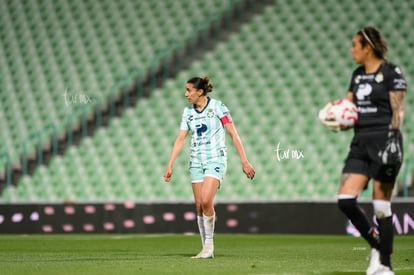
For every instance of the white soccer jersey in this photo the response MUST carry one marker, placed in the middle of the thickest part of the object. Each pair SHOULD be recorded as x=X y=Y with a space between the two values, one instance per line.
x=208 y=134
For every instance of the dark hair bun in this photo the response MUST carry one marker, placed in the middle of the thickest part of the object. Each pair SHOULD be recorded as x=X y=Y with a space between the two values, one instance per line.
x=208 y=88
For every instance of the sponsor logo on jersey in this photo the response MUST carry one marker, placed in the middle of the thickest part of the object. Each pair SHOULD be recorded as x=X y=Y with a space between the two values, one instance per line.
x=367 y=110
x=191 y=117
x=364 y=90
x=358 y=78
x=362 y=94
x=400 y=84
x=398 y=70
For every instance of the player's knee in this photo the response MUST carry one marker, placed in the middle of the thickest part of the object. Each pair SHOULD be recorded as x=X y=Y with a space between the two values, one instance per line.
x=207 y=205
x=199 y=208
x=382 y=209
x=347 y=204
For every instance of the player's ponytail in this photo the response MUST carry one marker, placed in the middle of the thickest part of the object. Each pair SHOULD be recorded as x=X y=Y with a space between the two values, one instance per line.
x=208 y=88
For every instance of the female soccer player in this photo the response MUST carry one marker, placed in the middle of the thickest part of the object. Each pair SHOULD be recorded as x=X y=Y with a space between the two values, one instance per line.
x=207 y=119
x=378 y=89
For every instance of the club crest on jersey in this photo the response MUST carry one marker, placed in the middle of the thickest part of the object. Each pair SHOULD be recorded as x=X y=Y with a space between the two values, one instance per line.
x=379 y=77
x=210 y=113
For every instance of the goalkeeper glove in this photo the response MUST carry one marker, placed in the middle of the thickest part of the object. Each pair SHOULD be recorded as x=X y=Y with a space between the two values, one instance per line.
x=329 y=122
x=392 y=152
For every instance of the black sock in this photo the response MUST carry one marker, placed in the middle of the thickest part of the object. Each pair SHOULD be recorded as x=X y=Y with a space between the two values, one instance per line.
x=350 y=208
x=386 y=232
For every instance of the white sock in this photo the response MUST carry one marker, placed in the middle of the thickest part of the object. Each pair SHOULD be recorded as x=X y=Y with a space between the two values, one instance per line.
x=382 y=209
x=200 y=222
x=209 y=228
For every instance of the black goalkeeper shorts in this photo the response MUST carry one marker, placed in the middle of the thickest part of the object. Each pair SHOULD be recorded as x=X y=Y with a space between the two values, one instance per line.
x=363 y=157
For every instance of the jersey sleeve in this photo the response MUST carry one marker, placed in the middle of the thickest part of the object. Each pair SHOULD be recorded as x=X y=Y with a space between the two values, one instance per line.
x=223 y=113
x=396 y=80
x=183 y=124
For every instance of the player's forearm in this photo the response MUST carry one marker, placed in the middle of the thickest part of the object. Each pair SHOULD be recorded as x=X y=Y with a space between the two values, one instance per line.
x=397 y=106
x=178 y=145
x=239 y=148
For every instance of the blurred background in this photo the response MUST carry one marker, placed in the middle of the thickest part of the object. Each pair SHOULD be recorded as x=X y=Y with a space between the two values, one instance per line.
x=92 y=94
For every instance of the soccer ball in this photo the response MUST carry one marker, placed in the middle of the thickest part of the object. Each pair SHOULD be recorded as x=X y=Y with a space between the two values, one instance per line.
x=345 y=112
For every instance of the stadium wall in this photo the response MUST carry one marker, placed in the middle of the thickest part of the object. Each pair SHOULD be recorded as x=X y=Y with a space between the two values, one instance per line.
x=132 y=217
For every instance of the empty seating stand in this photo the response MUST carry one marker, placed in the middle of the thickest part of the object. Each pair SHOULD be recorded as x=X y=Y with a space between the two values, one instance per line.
x=274 y=74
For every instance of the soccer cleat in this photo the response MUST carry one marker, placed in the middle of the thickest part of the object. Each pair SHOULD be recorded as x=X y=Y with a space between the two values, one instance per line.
x=384 y=270
x=374 y=262
x=206 y=253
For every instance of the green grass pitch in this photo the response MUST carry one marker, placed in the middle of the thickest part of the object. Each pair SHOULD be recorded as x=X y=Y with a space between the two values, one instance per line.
x=170 y=254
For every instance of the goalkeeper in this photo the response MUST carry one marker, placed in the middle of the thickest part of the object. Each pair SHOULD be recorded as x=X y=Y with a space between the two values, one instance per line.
x=378 y=89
